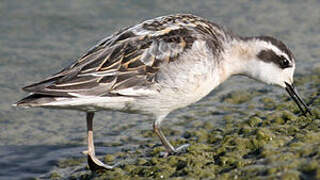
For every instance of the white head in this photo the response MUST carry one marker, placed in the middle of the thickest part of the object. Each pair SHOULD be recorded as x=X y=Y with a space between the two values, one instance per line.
x=268 y=60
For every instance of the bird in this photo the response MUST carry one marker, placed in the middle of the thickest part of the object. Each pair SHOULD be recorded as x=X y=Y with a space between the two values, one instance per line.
x=160 y=65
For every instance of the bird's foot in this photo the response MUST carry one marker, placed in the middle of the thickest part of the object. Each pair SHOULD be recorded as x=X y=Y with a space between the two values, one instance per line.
x=95 y=164
x=178 y=150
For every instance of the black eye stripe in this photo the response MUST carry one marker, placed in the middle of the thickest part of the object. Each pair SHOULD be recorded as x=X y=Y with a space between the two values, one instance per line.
x=278 y=44
x=270 y=56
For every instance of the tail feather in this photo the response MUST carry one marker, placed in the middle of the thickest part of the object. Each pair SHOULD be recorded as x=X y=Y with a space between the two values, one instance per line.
x=35 y=100
x=62 y=76
x=40 y=85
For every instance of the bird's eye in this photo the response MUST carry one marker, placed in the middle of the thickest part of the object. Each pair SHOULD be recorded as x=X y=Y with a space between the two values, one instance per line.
x=284 y=63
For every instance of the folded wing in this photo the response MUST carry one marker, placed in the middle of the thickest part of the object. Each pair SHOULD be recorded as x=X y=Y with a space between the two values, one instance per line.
x=123 y=60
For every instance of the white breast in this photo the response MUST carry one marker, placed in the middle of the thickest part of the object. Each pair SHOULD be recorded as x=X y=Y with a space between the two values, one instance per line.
x=185 y=81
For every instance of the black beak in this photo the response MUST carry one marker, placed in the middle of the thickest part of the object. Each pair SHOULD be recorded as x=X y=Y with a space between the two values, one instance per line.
x=297 y=99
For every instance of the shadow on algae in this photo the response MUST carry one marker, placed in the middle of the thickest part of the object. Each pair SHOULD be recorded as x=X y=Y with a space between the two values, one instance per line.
x=273 y=144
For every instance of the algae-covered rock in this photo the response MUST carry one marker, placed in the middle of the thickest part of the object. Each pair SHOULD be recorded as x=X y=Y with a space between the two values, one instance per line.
x=71 y=162
x=254 y=121
x=109 y=158
x=55 y=176
x=239 y=97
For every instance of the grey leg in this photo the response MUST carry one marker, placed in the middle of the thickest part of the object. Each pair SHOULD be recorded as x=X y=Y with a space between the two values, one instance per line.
x=93 y=162
x=169 y=148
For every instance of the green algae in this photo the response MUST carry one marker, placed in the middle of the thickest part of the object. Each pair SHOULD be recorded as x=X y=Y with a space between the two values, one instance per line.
x=239 y=97
x=109 y=158
x=55 y=176
x=274 y=143
x=70 y=162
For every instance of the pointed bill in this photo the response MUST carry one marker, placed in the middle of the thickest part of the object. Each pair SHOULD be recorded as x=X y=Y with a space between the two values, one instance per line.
x=292 y=91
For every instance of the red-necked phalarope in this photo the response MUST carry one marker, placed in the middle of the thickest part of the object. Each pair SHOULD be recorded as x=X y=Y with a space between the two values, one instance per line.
x=158 y=66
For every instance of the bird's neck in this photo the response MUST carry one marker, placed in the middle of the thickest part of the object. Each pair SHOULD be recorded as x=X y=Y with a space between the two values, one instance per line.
x=238 y=58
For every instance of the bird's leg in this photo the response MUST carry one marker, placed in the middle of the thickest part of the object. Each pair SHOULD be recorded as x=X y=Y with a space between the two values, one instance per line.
x=169 y=148
x=93 y=162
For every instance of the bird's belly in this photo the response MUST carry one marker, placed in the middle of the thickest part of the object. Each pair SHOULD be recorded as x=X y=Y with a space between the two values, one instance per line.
x=170 y=99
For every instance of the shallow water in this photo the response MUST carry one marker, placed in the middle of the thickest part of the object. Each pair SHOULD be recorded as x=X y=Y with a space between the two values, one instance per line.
x=38 y=38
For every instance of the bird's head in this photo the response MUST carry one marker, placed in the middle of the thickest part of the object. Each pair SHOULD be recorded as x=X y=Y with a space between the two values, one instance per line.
x=273 y=63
